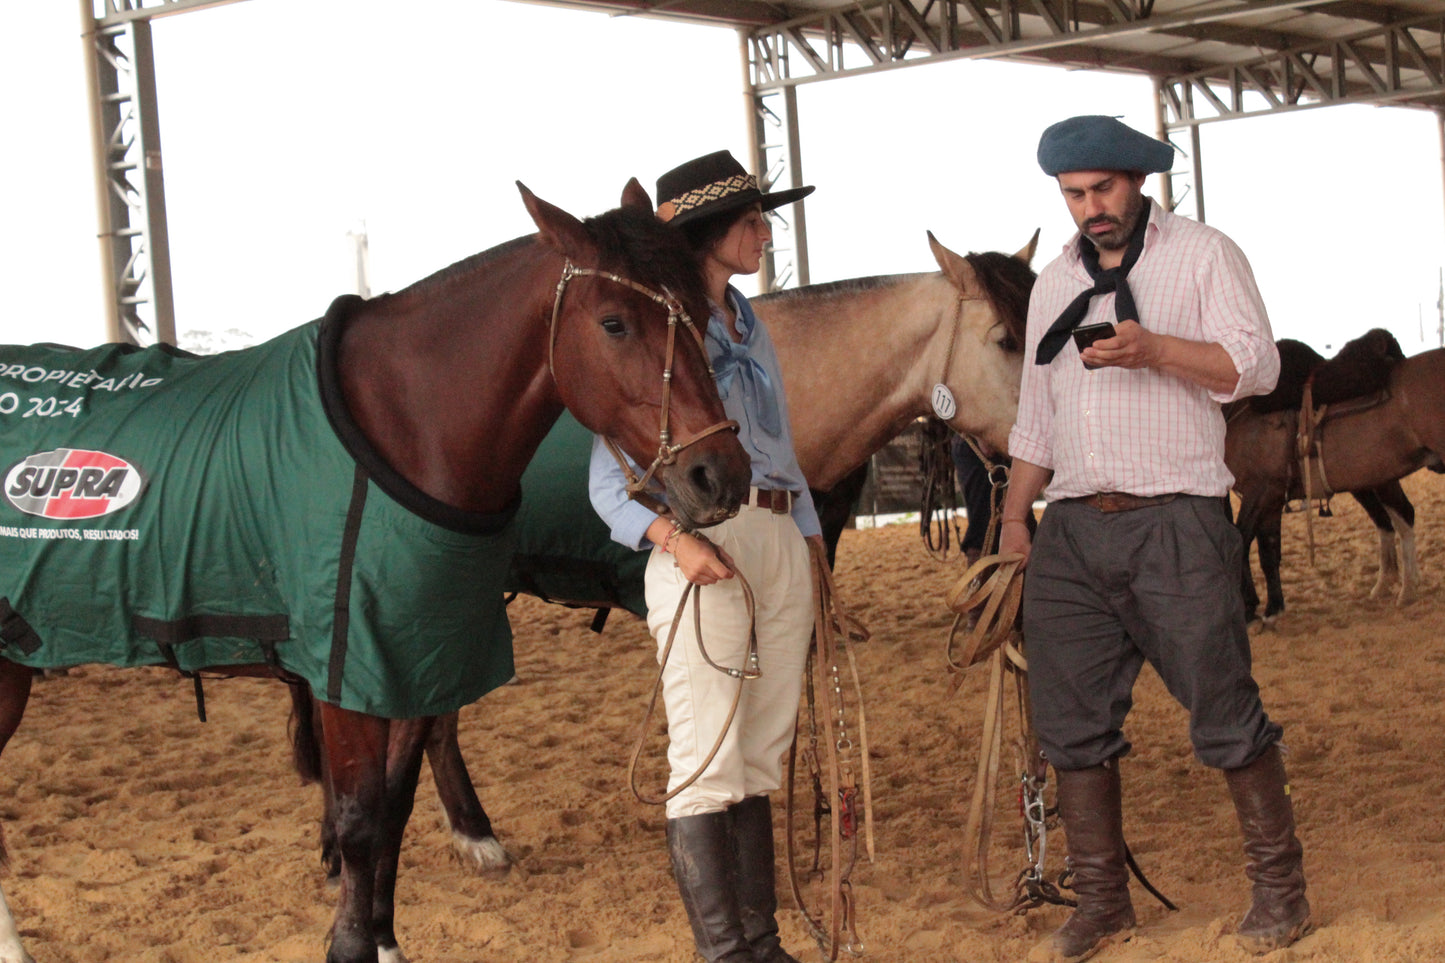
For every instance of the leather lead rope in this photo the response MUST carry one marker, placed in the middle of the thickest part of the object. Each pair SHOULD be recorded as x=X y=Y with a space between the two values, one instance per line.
x=998 y=595
x=750 y=671
x=839 y=771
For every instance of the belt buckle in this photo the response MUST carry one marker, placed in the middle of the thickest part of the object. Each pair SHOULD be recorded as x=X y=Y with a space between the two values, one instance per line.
x=786 y=502
x=1108 y=502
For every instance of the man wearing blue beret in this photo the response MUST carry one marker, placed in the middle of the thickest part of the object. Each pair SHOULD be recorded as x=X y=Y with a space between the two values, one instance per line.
x=1137 y=332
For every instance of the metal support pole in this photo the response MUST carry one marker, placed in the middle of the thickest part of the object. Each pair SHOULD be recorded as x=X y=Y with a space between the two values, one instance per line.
x=153 y=195
x=1440 y=302
x=1440 y=121
x=757 y=160
x=1198 y=173
x=130 y=192
x=104 y=202
x=795 y=169
x=1161 y=130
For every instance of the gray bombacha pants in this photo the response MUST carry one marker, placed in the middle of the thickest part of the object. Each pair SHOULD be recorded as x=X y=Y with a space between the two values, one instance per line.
x=1106 y=591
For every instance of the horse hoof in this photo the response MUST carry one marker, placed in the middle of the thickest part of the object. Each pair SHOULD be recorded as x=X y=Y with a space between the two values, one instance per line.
x=481 y=856
x=391 y=954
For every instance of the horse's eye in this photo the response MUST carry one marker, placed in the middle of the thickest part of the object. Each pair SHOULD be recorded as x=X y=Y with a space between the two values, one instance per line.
x=614 y=326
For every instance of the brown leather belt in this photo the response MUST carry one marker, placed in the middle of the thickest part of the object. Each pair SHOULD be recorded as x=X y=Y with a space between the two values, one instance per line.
x=779 y=501
x=1122 y=501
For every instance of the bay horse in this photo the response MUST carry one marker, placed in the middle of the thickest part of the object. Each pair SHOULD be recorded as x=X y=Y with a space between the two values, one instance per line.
x=859 y=359
x=432 y=401
x=1364 y=446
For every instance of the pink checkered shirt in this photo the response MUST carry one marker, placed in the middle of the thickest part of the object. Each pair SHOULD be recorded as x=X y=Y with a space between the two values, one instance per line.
x=1140 y=431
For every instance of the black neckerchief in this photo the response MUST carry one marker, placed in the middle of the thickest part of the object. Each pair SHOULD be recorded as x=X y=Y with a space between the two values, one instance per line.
x=1105 y=281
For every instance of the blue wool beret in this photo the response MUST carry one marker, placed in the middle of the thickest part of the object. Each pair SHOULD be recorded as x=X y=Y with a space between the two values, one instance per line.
x=1094 y=142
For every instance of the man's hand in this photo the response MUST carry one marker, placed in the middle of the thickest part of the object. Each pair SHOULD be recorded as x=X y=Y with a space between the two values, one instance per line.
x=1130 y=347
x=1204 y=363
x=1014 y=538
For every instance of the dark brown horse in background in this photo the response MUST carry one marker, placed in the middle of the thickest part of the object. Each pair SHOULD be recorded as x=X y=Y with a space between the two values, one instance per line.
x=1383 y=421
x=454 y=382
x=859 y=360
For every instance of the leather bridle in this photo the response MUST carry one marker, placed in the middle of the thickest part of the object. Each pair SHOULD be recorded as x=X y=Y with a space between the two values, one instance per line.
x=667 y=452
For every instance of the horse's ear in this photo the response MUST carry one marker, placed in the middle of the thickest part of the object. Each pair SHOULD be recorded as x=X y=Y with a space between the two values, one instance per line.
x=1026 y=253
x=955 y=268
x=635 y=195
x=559 y=230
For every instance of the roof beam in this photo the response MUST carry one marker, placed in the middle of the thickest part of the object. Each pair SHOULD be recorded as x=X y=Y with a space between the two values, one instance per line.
x=1386 y=64
x=1004 y=29
x=110 y=13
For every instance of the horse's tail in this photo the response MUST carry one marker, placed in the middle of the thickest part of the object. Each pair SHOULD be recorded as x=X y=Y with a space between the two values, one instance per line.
x=305 y=745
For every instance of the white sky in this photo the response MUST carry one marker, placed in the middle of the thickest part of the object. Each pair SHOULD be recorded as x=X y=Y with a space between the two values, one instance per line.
x=286 y=123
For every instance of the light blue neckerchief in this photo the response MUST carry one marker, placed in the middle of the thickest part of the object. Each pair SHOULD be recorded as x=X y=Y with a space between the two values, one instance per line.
x=736 y=364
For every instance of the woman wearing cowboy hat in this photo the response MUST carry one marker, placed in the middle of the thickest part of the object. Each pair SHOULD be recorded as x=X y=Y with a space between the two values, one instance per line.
x=720 y=828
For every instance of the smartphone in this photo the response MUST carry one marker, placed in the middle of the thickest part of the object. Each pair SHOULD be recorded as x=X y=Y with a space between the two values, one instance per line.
x=1087 y=334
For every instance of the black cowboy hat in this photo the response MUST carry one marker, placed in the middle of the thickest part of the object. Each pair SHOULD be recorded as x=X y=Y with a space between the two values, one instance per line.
x=713 y=184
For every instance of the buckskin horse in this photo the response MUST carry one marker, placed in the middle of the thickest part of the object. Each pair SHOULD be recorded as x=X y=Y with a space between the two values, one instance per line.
x=358 y=547
x=1385 y=420
x=860 y=359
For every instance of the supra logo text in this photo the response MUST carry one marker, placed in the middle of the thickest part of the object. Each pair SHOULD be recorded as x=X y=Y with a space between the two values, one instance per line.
x=72 y=483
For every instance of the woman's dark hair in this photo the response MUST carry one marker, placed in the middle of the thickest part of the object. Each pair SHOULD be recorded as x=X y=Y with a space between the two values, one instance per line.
x=704 y=232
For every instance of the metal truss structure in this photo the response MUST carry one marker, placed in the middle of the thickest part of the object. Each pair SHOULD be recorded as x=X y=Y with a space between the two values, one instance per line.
x=1210 y=60
x=126 y=150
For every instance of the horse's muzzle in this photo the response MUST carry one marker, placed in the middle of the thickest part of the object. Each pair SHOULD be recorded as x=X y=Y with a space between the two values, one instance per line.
x=708 y=487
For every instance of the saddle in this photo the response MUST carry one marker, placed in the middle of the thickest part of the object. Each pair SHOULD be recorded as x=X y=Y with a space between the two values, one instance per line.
x=1356 y=379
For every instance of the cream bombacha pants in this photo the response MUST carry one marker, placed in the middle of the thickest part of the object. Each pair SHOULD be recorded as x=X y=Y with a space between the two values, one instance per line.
x=772 y=555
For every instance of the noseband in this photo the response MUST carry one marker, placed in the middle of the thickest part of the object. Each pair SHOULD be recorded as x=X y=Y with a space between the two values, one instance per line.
x=666 y=451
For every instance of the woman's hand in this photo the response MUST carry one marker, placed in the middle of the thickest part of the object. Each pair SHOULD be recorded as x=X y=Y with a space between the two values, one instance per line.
x=701 y=562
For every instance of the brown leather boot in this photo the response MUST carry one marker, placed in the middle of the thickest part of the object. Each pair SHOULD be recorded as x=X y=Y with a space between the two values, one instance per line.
x=1279 y=914
x=1091 y=805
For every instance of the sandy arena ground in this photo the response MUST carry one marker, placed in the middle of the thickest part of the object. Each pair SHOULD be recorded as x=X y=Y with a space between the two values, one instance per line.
x=138 y=834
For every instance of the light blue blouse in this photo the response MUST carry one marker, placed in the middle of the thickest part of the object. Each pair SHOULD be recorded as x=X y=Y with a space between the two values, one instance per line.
x=751 y=386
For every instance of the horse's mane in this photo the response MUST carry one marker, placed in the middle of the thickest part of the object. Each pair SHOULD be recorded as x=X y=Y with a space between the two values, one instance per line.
x=648 y=251
x=1007 y=282
x=1360 y=368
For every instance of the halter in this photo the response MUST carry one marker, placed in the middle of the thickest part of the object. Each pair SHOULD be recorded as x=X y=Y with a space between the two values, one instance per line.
x=666 y=451
x=945 y=406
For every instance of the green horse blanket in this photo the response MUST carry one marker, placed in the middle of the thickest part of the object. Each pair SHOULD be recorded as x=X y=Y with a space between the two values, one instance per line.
x=164 y=508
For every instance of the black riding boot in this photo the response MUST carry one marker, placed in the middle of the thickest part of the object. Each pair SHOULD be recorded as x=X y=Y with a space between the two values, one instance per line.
x=1279 y=913
x=702 y=854
x=1091 y=804
x=756 y=882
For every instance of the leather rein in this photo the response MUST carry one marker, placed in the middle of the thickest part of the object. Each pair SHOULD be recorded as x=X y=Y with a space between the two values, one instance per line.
x=667 y=452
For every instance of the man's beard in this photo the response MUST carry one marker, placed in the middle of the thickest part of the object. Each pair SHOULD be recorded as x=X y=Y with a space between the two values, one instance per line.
x=1118 y=236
